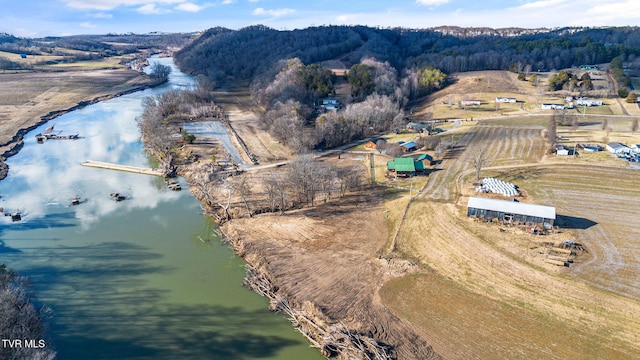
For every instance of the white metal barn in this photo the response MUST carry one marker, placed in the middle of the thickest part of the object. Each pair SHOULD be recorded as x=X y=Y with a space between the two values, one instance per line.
x=509 y=210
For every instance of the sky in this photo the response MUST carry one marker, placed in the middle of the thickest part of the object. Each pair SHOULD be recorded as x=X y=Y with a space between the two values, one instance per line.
x=37 y=18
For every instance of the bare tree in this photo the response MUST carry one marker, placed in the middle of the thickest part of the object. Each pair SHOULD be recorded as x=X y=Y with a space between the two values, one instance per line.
x=302 y=174
x=348 y=179
x=479 y=159
x=605 y=124
x=430 y=142
x=277 y=192
x=440 y=148
x=325 y=178
x=394 y=150
x=215 y=189
x=241 y=186
x=20 y=319
x=634 y=125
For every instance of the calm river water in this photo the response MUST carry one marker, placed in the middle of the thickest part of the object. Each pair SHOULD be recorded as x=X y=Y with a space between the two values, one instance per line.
x=135 y=279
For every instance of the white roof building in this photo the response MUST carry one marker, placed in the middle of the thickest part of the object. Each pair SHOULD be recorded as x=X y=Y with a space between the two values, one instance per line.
x=617 y=148
x=506 y=210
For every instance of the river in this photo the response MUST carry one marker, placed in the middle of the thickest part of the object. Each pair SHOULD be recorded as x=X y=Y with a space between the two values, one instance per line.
x=143 y=278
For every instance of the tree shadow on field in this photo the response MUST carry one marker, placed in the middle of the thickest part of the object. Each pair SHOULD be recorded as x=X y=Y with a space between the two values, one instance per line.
x=572 y=222
x=428 y=172
x=454 y=152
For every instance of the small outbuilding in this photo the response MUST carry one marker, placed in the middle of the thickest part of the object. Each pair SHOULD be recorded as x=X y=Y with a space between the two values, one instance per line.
x=562 y=150
x=617 y=148
x=589 y=102
x=552 y=106
x=425 y=159
x=511 y=211
x=409 y=146
x=416 y=126
x=370 y=145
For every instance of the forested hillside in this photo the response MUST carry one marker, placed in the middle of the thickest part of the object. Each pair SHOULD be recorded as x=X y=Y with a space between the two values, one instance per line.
x=242 y=54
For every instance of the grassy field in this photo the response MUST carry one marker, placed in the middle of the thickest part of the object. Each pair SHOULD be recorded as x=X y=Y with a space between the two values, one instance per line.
x=472 y=326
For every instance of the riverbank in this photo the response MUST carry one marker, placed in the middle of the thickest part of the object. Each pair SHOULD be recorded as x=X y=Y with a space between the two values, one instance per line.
x=323 y=270
x=329 y=271
x=29 y=100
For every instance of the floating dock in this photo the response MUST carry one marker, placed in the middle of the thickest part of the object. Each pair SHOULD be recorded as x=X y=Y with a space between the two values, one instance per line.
x=127 y=168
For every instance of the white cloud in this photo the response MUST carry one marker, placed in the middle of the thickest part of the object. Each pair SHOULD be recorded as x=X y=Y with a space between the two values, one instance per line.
x=112 y=4
x=273 y=12
x=150 y=9
x=87 y=24
x=189 y=7
x=623 y=11
x=254 y=1
x=432 y=2
x=228 y=2
x=346 y=18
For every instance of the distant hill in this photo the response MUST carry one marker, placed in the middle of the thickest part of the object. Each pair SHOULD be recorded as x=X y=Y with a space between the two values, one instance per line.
x=224 y=54
x=92 y=46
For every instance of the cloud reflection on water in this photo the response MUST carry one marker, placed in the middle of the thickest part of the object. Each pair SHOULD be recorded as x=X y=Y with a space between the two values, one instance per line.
x=43 y=178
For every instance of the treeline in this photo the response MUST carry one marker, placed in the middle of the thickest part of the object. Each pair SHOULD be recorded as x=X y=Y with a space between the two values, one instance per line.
x=163 y=115
x=305 y=182
x=20 y=320
x=224 y=54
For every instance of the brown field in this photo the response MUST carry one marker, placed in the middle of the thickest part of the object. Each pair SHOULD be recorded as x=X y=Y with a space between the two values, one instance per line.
x=487 y=85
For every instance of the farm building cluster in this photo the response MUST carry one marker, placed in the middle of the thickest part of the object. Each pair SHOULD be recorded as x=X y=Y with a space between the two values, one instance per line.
x=629 y=153
x=571 y=103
